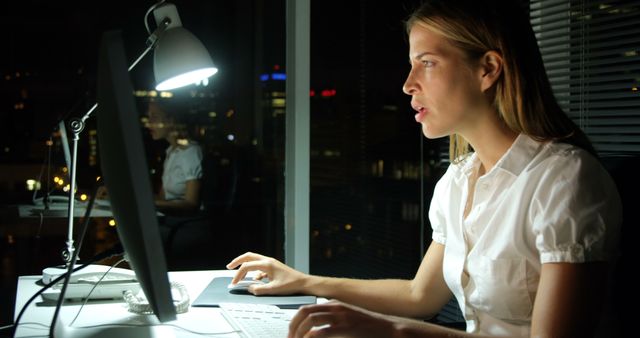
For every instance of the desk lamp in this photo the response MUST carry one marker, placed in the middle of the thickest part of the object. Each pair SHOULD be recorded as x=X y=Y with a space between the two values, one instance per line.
x=180 y=59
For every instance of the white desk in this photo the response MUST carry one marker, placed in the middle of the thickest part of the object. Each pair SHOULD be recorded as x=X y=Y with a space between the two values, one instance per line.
x=114 y=315
x=61 y=210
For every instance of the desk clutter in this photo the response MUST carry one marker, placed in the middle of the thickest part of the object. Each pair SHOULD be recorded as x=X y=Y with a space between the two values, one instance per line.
x=243 y=315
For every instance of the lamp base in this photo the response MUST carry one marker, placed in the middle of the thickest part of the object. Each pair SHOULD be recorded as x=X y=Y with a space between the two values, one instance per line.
x=92 y=282
x=51 y=273
x=91 y=270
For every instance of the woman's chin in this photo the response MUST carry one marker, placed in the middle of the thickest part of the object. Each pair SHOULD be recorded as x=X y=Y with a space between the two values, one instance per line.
x=432 y=134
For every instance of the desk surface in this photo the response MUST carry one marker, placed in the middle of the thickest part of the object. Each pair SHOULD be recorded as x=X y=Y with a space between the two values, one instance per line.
x=114 y=315
x=61 y=210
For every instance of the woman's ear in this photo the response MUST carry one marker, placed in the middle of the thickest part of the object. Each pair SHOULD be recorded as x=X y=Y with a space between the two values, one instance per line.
x=490 y=68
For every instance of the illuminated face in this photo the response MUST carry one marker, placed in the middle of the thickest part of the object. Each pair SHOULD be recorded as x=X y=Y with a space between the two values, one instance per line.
x=444 y=85
x=159 y=124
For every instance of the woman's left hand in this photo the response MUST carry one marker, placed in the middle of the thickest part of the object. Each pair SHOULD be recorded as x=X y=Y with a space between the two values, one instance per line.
x=337 y=319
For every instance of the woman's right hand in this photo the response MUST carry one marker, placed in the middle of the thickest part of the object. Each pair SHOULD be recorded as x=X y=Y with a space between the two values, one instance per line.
x=282 y=279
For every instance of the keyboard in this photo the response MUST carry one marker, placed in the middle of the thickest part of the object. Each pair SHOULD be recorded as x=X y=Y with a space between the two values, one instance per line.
x=257 y=320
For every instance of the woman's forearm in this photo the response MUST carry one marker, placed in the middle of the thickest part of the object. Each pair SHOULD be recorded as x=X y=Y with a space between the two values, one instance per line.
x=389 y=296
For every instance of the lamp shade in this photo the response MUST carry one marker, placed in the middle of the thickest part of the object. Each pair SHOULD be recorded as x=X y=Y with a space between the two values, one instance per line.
x=180 y=59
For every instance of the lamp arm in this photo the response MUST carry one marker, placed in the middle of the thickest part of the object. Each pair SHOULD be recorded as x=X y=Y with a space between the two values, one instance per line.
x=153 y=37
x=77 y=125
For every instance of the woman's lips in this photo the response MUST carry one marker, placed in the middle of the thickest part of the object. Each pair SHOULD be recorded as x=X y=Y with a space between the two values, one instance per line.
x=422 y=111
x=421 y=114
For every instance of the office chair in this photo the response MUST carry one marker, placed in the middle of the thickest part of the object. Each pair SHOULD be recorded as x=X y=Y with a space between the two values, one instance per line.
x=624 y=170
x=191 y=241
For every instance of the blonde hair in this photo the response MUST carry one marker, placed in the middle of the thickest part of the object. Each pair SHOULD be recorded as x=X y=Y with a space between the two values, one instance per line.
x=523 y=95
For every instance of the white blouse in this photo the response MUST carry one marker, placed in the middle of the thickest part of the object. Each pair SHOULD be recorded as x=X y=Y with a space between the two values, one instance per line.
x=540 y=203
x=180 y=165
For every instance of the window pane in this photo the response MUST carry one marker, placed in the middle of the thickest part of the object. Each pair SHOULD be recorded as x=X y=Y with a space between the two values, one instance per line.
x=591 y=51
x=372 y=171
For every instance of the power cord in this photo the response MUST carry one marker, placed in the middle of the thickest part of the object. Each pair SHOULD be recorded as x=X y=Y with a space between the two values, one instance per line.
x=116 y=250
x=74 y=256
x=93 y=288
x=45 y=327
x=225 y=333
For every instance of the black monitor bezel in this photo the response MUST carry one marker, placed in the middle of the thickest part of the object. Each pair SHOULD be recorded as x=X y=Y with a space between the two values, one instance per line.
x=126 y=176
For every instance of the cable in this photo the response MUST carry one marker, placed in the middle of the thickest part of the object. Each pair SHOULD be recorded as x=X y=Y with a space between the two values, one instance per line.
x=93 y=288
x=25 y=324
x=46 y=196
x=46 y=327
x=38 y=182
x=115 y=250
x=74 y=257
x=146 y=16
x=160 y=324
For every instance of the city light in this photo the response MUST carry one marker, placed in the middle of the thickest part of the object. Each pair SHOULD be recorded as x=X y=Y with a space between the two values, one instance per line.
x=33 y=185
x=328 y=93
x=279 y=103
x=273 y=76
x=279 y=76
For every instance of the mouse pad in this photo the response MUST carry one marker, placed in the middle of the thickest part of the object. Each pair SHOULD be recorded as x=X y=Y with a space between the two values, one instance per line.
x=217 y=292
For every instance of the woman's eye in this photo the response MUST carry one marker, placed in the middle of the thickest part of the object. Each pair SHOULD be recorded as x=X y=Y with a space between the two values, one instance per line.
x=427 y=63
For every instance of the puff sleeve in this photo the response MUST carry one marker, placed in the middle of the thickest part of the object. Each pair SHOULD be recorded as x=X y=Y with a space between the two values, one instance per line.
x=576 y=210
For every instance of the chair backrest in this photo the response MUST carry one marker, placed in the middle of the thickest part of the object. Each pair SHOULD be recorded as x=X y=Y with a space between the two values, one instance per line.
x=219 y=183
x=624 y=170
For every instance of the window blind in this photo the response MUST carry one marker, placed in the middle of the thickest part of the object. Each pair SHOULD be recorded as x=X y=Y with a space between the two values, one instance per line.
x=591 y=51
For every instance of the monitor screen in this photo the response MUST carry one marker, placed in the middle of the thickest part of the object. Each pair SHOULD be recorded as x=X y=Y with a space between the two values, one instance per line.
x=126 y=176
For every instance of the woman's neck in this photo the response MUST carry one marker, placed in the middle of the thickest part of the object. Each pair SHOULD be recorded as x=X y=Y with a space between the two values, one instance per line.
x=173 y=140
x=490 y=142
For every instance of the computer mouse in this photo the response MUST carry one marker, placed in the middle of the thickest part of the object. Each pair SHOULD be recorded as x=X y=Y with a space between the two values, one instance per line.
x=242 y=287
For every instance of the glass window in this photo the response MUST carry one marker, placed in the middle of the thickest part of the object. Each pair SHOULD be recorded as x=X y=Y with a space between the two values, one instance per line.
x=372 y=170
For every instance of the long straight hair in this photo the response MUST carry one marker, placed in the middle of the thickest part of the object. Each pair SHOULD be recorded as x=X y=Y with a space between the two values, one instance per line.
x=523 y=95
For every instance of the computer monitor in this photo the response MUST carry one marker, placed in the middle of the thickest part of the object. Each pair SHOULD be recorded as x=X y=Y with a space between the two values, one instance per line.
x=126 y=176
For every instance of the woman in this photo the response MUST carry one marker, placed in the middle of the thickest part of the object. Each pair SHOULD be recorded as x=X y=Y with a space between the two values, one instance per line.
x=182 y=169
x=525 y=218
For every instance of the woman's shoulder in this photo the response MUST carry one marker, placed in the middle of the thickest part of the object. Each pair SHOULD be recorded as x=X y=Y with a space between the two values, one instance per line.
x=190 y=150
x=561 y=162
x=562 y=155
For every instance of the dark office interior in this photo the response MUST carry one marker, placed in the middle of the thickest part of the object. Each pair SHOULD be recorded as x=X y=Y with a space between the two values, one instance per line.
x=372 y=172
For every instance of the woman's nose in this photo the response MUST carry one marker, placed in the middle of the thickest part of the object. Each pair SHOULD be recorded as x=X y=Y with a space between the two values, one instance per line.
x=410 y=87
x=408 y=90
